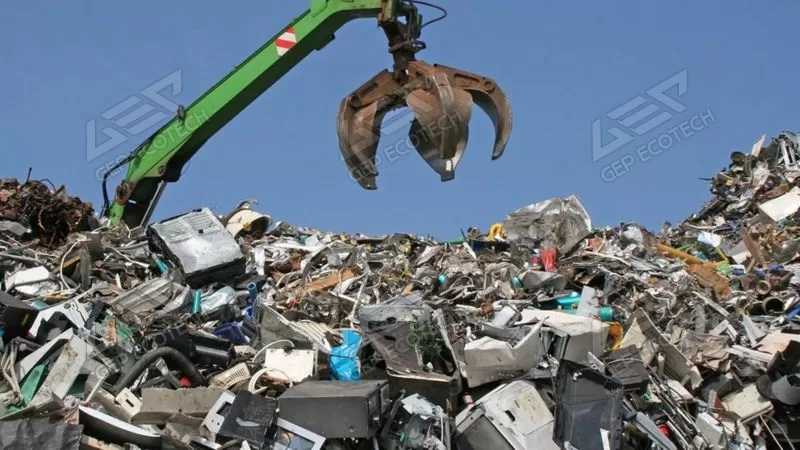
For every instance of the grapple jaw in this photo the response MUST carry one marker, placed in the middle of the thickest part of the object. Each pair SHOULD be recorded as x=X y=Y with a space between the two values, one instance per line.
x=441 y=99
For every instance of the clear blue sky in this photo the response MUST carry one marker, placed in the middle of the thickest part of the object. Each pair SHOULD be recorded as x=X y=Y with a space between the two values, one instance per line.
x=563 y=65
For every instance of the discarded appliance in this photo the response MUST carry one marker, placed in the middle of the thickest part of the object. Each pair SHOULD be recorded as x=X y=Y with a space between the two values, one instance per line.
x=567 y=336
x=513 y=416
x=588 y=408
x=359 y=407
x=199 y=244
x=417 y=424
x=491 y=358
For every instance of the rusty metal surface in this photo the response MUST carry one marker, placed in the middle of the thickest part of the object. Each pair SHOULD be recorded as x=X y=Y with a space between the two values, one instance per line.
x=440 y=130
x=51 y=214
x=489 y=97
x=441 y=98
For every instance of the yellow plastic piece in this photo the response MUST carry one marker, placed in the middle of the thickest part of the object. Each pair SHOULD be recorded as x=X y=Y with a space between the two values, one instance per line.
x=615 y=331
x=497 y=230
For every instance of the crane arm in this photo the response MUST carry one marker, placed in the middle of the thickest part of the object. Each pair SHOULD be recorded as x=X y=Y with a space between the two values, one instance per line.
x=440 y=97
x=162 y=156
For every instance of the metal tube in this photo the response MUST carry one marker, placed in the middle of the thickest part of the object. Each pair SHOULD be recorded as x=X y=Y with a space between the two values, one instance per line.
x=773 y=305
x=756 y=309
x=24 y=259
x=763 y=287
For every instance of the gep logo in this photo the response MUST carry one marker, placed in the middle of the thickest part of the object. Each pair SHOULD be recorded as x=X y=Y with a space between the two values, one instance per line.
x=640 y=115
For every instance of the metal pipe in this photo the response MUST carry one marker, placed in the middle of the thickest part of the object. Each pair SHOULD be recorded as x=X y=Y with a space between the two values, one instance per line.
x=773 y=305
x=756 y=309
x=763 y=287
x=24 y=259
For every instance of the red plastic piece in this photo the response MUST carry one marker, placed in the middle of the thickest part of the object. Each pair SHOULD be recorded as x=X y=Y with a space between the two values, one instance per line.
x=549 y=259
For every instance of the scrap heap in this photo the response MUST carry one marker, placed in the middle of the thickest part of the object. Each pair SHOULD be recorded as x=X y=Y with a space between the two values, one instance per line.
x=206 y=331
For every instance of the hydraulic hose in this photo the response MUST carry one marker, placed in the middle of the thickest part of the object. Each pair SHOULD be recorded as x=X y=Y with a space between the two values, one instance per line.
x=172 y=357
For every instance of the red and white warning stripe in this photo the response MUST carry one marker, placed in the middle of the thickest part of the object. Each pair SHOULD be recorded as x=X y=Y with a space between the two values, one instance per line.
x=286 y=41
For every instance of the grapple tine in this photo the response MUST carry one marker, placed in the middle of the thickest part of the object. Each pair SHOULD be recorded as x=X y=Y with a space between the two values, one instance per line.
x=440 y=136
x=489 y=97
x=434 y=105
x=359 y=133
x=358 y=125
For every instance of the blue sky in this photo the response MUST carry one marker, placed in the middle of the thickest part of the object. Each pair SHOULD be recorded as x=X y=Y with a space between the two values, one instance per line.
x=563 y=65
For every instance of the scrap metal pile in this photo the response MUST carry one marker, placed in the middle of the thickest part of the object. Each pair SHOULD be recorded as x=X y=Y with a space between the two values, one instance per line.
x=208 y=332
x=35 y=210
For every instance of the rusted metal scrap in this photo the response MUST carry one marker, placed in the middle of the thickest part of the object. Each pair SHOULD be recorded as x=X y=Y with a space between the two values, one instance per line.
x=51 y=214
x=708 y=277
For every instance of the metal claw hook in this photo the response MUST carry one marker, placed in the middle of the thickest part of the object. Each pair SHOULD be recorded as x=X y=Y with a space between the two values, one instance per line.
x=441 y=98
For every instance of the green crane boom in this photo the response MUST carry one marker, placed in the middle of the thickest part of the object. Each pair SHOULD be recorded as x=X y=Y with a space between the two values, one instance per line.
x=161 y=157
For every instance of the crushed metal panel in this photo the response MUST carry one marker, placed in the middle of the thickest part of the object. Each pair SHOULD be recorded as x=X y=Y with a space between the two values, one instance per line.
x=753 y=331
x=27 y=364
x=571 y=336
x=782 y=207
x=14 y=227
x=488 y=359
x=274 y=327
x=147 y=296
x=512 y=416
x=392 y=344
x=703 y=349
x=539 y=222
x=200 y=245
x=32 y=282
x=642 y=333
x=534 y=279
x=73 y=310
x=63 y=372
x=404 y=308
x=395 y=345
x=739 y=252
